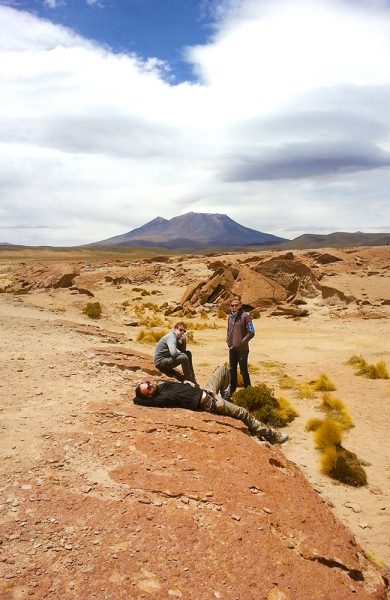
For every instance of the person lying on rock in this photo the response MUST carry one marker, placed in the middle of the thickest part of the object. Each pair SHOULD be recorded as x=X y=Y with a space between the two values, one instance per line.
x=171 y=351
x=213 y=398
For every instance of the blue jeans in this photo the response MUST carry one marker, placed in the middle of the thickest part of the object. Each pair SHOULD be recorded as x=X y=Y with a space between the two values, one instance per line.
x=237 y=357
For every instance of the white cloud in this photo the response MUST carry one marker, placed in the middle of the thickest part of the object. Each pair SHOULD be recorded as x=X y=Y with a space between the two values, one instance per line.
x=287 y=131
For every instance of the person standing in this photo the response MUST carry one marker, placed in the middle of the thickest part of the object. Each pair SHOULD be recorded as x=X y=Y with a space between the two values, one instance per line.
x=240 y=330
x=171 y=352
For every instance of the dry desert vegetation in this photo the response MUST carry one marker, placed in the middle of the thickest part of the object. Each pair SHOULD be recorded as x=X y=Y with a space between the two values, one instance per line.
x=102 y=499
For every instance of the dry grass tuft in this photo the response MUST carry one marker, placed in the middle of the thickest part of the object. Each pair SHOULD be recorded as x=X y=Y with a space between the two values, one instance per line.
x=313 y=424
x=362 y=368
x=93 y=310
x=329 y=433
x=287 y=383
x=285 y=411
x=152 y=321
x=150 y=336
x=221 y=314
x=335 y=409
x=343 y=465
x=305 y=390
x=323 y=384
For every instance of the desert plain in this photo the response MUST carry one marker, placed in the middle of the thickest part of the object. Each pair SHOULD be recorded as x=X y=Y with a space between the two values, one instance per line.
x=68 y=422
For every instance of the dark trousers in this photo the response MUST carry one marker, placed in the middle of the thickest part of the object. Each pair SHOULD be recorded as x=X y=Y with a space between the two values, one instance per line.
x=238 y=357
x=184 y=359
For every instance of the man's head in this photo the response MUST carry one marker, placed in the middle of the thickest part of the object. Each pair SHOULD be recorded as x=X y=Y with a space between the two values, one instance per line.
x=180 y=330
x=235 y=304
x=145 y=389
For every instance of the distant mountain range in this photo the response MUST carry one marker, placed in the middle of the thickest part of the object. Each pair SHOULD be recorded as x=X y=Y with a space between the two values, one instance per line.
x=192 y=230
x=337 y=240
x=208 y=230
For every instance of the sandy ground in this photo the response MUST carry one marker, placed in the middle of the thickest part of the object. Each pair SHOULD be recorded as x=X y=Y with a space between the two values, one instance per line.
x=49 y=377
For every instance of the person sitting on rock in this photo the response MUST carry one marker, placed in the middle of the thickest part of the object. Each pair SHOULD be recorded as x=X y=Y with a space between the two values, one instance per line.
x=213 y=398
x=171 y=351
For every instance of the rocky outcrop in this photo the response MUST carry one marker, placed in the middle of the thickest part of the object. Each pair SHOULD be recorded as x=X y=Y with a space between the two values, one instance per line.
x=331 y=294
x=257 y=290
x=327 y=259
x=294 y=276
x=260 y=284
x=32 y=277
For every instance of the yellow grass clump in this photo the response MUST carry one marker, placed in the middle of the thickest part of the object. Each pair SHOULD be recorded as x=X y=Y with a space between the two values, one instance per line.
x=305 y=390
x=362 y=368
x=287 y=383
x=343 y=465
x=149 y=336
x=221 y=314
x=336 y=461
x=328 y=434
x=313 y=424
x=93 y=310
x=335 y=409
x=323 y=384
x=152 y=321
x=285 y=411
x=151 y=306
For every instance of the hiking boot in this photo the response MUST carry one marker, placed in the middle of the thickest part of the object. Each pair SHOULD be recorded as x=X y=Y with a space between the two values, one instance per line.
x=272 y=436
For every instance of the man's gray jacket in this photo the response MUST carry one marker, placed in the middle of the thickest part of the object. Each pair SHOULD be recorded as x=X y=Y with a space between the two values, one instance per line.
x=169 y=346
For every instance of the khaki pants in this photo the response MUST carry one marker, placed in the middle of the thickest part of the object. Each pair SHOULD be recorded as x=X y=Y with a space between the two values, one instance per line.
x=218 y=388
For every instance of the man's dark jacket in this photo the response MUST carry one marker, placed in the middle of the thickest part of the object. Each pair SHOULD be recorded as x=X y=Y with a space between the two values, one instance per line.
x=239 y=330
x=170 y=394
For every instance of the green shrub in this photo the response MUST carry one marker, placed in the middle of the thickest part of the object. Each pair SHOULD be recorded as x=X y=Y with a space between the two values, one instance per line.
x=93 y=310
x=260 y=401
x=323 y=384
x=343 y=465
x=255 y=314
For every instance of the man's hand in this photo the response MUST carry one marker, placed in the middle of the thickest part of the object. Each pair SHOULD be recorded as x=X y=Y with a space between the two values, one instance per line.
x=191 y=383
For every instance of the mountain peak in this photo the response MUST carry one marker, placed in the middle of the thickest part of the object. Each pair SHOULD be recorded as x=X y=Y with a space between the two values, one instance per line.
x=192 y=230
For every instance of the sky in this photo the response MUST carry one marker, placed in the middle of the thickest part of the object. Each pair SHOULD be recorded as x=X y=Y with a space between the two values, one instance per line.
x=274 y=112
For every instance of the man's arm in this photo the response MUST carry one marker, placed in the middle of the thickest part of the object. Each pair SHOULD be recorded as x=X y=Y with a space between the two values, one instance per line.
x=249 y=328
x=171 y=341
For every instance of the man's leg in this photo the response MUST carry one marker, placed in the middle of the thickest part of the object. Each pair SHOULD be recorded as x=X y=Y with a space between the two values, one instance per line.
x=191 y=366
x=219 y=382
x=233 y=362
x=228 y=409
x=243 y=362
x=170 y=372
x=180 y=360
